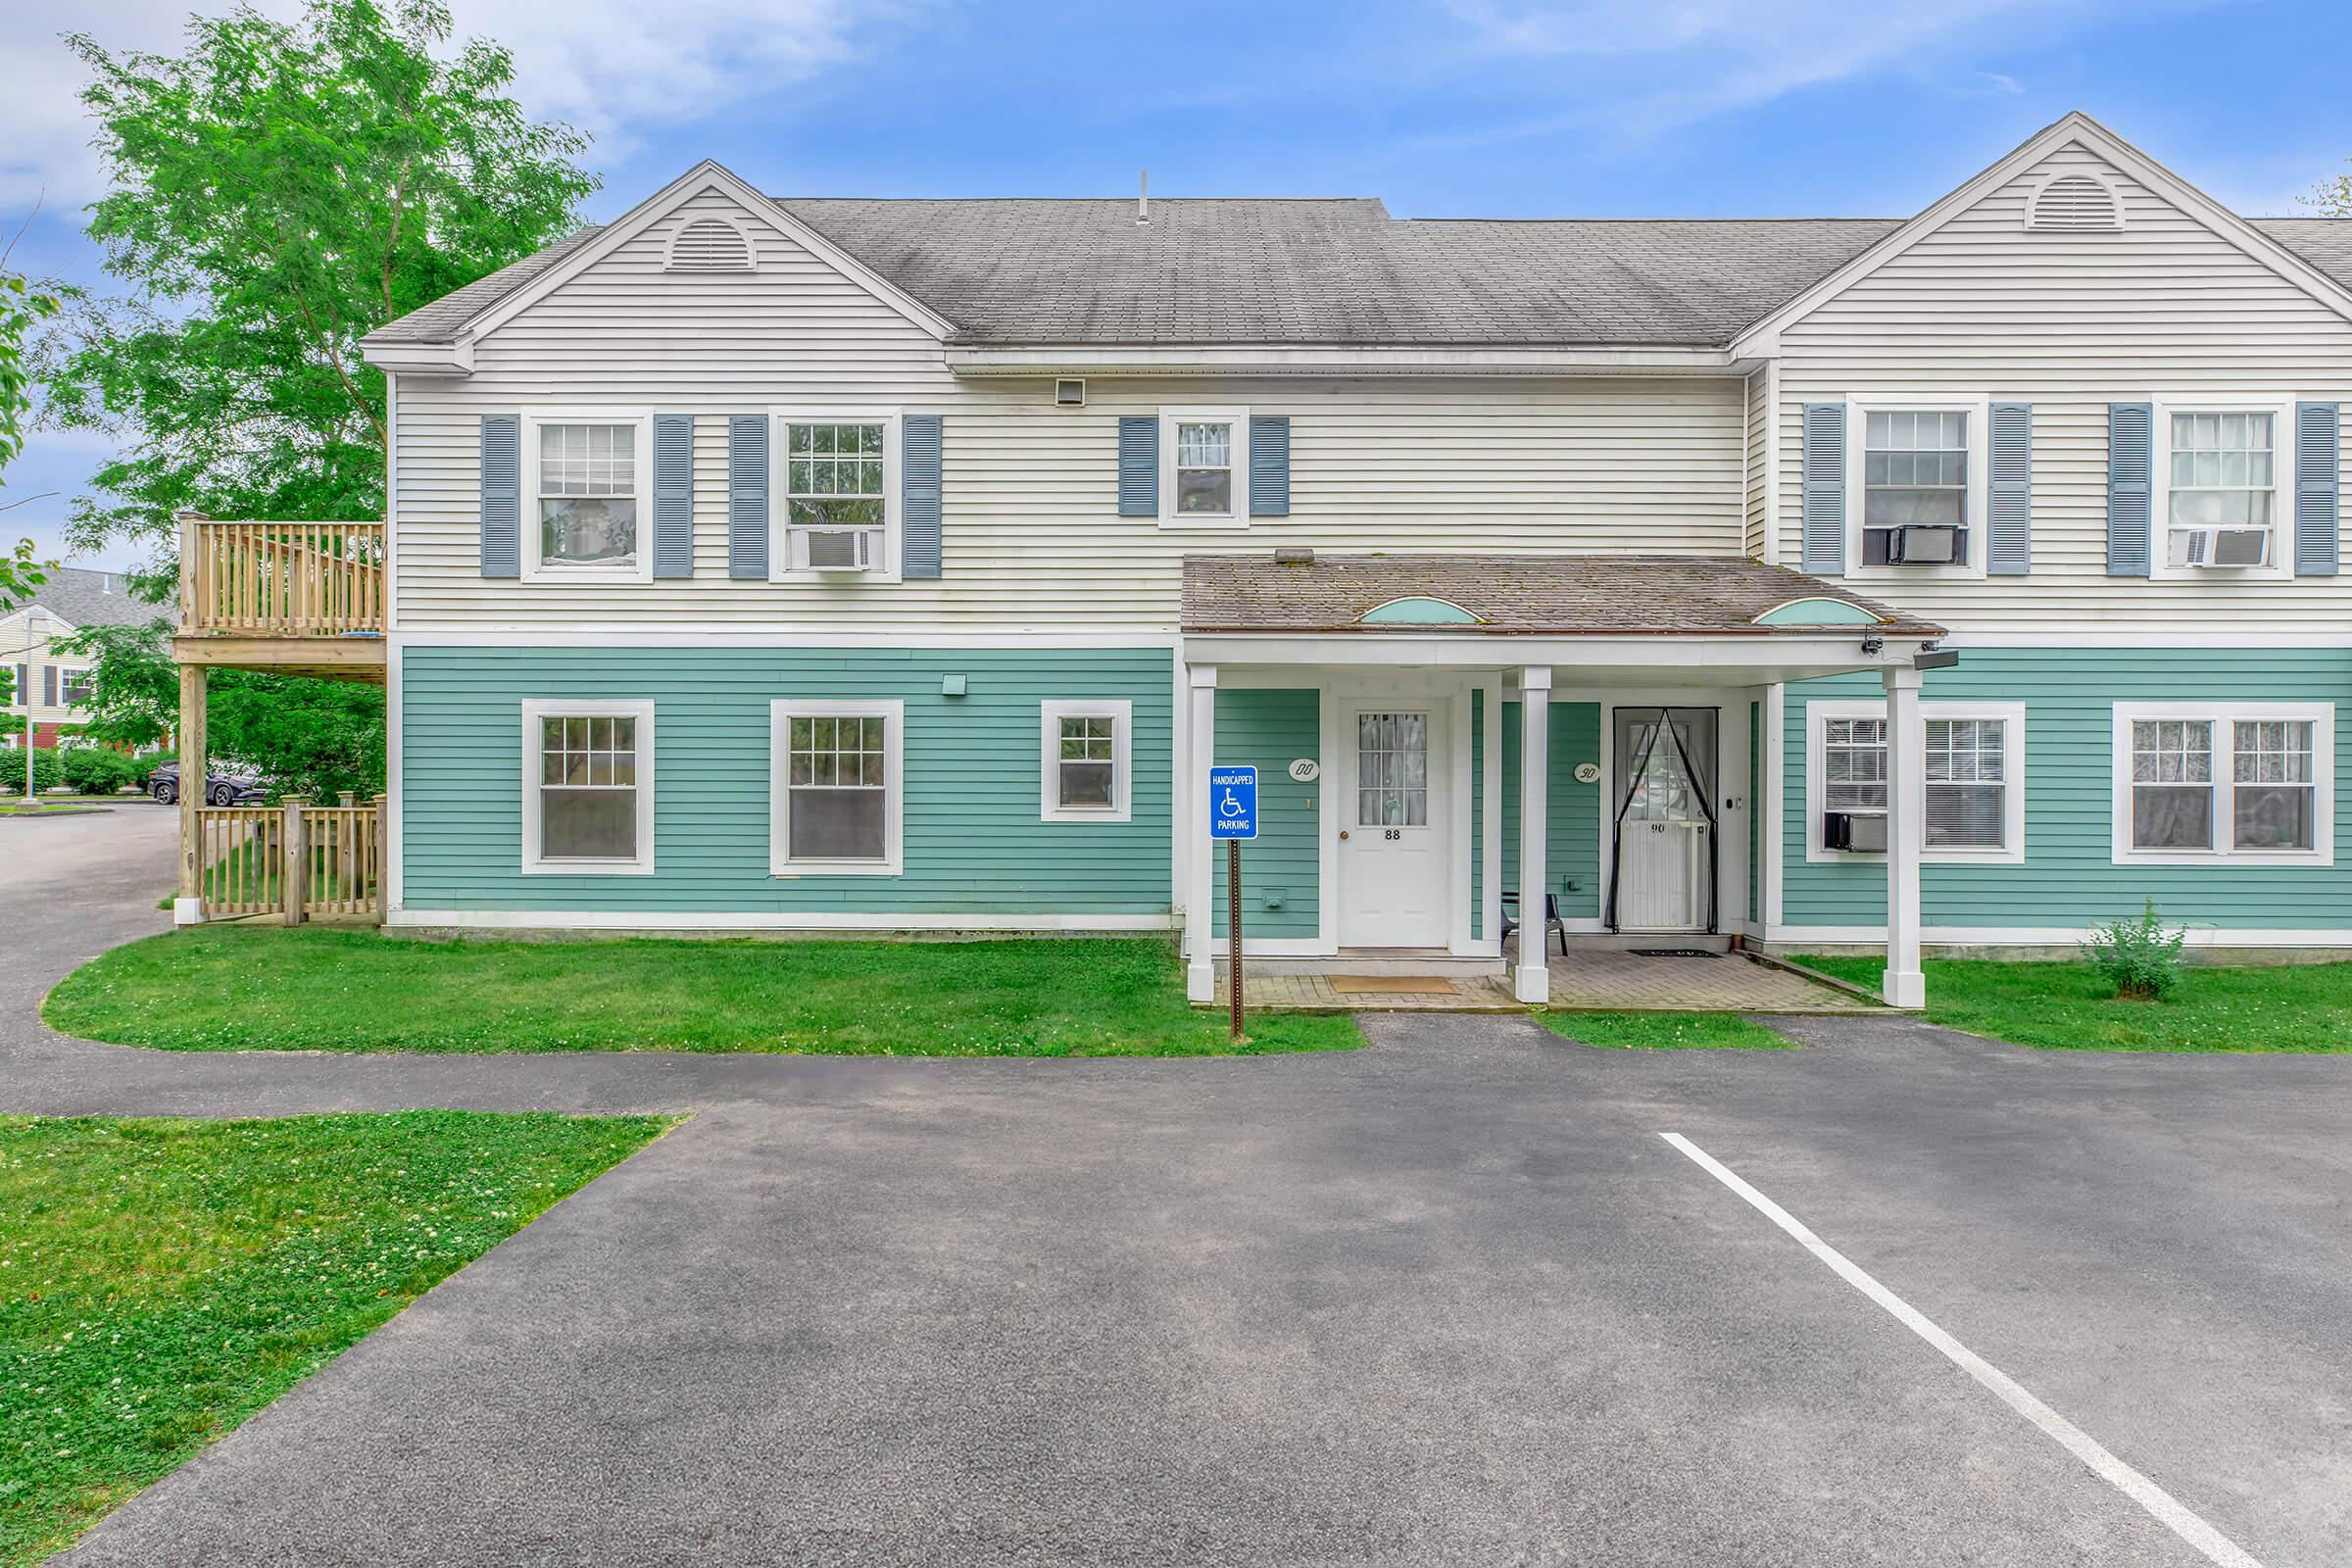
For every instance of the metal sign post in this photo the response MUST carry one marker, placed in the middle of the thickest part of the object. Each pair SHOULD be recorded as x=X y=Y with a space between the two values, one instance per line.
x=1233 y=818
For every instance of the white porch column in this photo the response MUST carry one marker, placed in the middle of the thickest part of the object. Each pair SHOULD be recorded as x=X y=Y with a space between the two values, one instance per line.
x=1531 y=981
x=1200 y=966
x=1906 y=805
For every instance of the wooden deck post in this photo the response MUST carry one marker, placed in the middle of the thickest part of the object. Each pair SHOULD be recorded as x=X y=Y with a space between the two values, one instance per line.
x=382 y=872
x=292 y=878
x=189 y=907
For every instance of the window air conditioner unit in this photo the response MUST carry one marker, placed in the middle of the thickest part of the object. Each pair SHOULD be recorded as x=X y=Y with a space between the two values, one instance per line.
x=2222 y=547
x=1854 y=832
x=1922 y=544
x=837 y=550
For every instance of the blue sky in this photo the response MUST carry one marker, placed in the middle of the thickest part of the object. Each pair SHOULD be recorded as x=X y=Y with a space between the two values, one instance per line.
x=1672 y=107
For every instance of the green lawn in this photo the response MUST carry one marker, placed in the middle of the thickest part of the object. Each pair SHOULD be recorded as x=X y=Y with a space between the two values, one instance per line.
x=57 y=808
x=2069 y=1006
x=317 y=989
x=1665 y=1031
x=160 y=1281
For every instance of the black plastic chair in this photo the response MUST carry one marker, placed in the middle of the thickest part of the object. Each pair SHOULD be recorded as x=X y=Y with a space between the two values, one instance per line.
x=1551 y=918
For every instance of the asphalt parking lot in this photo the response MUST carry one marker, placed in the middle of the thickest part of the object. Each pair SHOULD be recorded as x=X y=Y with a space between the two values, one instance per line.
x=1456 y=1297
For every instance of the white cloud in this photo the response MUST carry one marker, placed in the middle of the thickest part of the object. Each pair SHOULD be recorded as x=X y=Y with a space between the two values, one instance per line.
x=1666 y=62
x=610 y=67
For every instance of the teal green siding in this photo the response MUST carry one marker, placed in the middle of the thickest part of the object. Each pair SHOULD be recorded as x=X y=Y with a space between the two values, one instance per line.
x=973 y=841
x=1573 y=815
x=1267 y=729
x=2068 y=877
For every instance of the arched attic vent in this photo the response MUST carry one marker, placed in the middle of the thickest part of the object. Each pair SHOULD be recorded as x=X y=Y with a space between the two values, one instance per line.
x=710 y=245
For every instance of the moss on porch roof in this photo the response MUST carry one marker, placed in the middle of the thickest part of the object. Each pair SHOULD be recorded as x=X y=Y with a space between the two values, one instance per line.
x=1514 y=595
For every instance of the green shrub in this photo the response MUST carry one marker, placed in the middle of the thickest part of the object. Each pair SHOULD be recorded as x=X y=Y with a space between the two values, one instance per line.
x=46 y=775
x=95 y=771
x=2139 y=954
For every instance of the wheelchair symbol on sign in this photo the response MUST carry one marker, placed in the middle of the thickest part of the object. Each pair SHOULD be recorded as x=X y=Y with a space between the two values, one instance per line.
x=1231 y=805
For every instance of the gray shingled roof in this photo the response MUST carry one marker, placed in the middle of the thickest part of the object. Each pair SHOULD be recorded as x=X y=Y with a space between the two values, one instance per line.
x=1557 y=595
x=1342 y=272
x=97 y=599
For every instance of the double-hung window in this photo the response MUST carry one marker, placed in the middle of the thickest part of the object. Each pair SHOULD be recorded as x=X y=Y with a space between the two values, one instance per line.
x=1917 y=476
x=1083 y=761
x=1205 y=467
x=838 y=794
x=836 y=493
x=1973 y=776
x=2201 y=781
x=2222 y=473
x=77 y=687
x=587 y=478
x=1967 y=783
x=1915 y=487
x=587 y=787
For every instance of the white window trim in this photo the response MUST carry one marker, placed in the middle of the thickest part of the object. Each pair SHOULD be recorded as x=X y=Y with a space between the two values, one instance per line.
x=1169 y=419
x=779 y=510
x=535 y=710
x=1979 y=409
x=2012 y=715
x=780 y=714
x=1050 y=718
x=2282 y=486
x=2221 y=714
x=536 y=569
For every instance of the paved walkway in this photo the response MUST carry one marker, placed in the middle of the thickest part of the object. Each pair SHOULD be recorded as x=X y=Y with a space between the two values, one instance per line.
x=1447 y=1299
x=1586 y=978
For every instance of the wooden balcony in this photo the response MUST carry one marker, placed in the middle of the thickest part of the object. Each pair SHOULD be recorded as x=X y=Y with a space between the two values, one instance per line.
x=293 y=598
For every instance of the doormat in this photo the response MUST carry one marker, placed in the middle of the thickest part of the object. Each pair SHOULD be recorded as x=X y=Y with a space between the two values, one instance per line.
x=1419 y=985
x=1675 y=953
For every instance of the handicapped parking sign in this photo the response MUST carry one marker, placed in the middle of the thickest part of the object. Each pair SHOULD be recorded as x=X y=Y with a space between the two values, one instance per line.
x=1233 y=803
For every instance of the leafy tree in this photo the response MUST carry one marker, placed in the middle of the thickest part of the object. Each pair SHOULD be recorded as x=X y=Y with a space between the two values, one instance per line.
x=21 y=306
x=135 y=686
x=279 y=191
x=2332 y=198
x=306 y=737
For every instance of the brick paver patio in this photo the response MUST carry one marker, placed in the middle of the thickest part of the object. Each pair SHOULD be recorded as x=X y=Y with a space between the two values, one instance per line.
x=1588 y=978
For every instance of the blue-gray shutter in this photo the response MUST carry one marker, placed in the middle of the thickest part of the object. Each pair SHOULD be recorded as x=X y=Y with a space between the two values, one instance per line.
x=2319 y=439
x=746 y=496
x=673 y=495
x=918 y=496
x=1270 y=466
x=1139 y=465
x=2130 y=431
x=2009 y=528
x=1824 y=469
x=501 y=495
x=49 y=688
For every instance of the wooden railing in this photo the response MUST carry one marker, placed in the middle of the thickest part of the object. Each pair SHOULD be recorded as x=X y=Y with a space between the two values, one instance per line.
x=302 y=861
x=280 y=580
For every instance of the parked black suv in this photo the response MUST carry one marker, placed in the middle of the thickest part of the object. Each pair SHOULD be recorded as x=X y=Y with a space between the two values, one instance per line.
x=221 y=787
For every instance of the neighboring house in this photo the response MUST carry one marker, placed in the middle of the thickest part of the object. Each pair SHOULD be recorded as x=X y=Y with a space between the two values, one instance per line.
x=764 y=563
x=55 y=684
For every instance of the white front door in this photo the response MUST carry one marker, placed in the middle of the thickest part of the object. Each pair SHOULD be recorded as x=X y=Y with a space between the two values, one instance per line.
x=1663 y=853
x=1394 y=859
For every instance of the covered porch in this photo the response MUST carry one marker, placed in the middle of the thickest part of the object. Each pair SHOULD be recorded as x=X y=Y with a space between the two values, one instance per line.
x=1436 y=734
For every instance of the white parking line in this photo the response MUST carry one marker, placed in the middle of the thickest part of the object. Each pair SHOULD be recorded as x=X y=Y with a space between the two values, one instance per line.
x=2167 y=1508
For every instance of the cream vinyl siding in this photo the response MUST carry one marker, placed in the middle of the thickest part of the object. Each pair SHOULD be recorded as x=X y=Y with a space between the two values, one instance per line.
x=2071 y=321
x=1030 y=521
x=1757 y=479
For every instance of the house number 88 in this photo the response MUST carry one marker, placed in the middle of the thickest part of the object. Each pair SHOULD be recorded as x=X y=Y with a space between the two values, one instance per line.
x=1393 y=835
